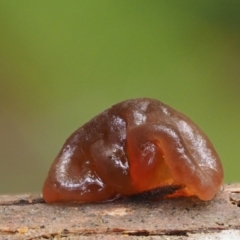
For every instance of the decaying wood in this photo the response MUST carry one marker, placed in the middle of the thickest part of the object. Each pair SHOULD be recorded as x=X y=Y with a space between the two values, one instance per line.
x=28 y=217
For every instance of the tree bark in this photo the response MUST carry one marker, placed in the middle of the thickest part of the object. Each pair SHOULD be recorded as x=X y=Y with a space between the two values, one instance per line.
x=28 y=217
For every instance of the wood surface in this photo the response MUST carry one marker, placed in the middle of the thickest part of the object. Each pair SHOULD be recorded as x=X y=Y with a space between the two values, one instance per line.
x=26 y=216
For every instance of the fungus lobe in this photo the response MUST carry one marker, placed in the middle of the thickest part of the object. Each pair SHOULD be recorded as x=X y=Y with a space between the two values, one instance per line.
x=135 y=146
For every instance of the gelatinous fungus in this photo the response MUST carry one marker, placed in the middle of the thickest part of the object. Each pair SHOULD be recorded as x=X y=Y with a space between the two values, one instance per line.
x=135 y=146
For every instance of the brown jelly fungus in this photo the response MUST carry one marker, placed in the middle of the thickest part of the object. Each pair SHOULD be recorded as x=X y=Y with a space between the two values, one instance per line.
x=135 y=146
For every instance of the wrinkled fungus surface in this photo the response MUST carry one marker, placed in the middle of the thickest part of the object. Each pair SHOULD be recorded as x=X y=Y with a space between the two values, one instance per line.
x=135 y=146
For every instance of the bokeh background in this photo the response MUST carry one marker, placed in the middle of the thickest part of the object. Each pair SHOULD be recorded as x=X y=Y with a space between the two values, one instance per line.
x=63 y=62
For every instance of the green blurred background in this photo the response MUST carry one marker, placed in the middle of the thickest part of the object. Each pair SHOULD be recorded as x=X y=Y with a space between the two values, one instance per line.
x=63 y=62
